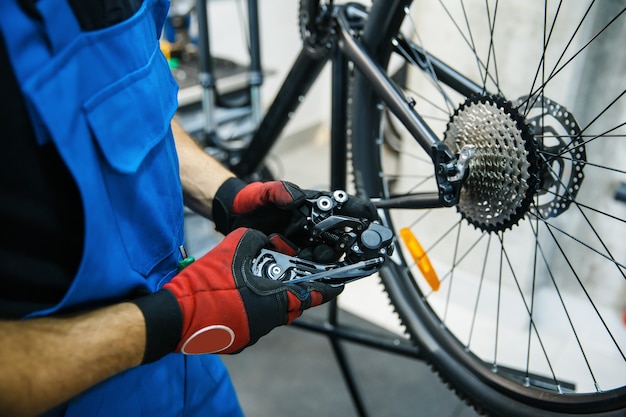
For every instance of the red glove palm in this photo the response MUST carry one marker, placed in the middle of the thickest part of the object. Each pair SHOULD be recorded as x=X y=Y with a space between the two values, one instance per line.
x=225 y=308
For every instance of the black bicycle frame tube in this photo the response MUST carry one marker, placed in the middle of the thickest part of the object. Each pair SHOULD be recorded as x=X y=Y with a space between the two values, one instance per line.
x=256 y=74
x=298 y=82
x=412 y=201
x=385 y=88
x=206 y=77
x=339 y=117
x=440 y=71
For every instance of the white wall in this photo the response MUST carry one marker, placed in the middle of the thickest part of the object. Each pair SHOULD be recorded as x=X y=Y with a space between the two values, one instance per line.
x=280 y=45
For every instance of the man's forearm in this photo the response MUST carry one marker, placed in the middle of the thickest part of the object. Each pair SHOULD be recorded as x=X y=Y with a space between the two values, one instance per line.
x=46 y=361
x=201 y=174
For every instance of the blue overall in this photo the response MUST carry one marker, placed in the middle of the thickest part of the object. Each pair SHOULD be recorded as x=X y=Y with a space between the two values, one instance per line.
x=106 y=98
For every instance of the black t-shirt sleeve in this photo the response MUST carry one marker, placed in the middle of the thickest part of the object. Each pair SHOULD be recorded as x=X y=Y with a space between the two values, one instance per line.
x=40 y=210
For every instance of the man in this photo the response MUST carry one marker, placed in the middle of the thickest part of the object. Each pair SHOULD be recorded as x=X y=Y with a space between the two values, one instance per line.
x=96 y=294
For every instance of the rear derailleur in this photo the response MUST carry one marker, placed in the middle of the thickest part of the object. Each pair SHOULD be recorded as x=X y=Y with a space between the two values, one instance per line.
x=363 y=245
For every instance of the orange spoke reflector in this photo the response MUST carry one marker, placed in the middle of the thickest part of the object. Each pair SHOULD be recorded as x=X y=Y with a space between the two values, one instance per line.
x=420 y=257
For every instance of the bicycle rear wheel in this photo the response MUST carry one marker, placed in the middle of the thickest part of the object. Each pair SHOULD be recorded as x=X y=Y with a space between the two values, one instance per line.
x=525 y=311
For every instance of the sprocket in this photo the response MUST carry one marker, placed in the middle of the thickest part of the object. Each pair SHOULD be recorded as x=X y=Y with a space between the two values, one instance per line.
x=503 y=172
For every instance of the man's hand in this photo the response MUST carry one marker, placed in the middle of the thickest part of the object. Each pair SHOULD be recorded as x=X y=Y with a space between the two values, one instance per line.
x=224 y=307
x=272 y=207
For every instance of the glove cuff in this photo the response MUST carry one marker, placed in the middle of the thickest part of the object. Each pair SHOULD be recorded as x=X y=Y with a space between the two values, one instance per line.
x=223 y=203
x=164 y=323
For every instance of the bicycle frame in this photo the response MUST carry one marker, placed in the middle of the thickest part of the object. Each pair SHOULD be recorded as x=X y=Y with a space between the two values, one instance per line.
x=304 y=72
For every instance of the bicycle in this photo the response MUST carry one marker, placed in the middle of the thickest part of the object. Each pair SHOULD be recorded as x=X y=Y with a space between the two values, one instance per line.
x=478 y=160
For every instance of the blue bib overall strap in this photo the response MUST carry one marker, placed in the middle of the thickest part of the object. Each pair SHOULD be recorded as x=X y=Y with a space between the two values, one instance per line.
x=105 y=99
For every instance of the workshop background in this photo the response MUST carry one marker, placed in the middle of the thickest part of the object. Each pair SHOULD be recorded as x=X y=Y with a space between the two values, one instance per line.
x=293 y=372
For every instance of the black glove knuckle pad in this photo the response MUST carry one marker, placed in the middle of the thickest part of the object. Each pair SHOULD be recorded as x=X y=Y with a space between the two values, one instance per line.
x=296 y=193
x=264 y=312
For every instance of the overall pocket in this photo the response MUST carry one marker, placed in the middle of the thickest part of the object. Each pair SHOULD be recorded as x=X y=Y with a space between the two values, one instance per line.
x=130 y=123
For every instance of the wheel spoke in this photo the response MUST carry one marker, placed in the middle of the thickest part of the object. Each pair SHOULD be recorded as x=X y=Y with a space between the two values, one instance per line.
x=608 y=255
x=610 y=105
x=546 y=41
x=451 y=272
x=528 y=310
x=455 y=262
x=473 y=45
x=479 y=292
x=582 y=287
x=562 y=302
x=427 y=64
x=491 y=54
x=482 y=67
x=558 y=69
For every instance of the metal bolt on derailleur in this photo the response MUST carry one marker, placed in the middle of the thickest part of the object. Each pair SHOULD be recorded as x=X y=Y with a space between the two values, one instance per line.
x=362 y=243
x=462 y=165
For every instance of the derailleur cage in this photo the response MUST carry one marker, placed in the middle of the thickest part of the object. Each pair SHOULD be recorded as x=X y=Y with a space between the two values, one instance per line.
x=364 y=246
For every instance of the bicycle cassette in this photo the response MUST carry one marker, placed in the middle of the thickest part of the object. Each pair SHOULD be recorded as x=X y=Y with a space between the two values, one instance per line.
x=363 y=245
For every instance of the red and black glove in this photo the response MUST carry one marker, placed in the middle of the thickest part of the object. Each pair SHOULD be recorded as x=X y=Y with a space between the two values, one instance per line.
x=216 y=304
x=272 y=207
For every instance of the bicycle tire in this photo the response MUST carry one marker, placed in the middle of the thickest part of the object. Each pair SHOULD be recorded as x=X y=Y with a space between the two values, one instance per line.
x=579 y=217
